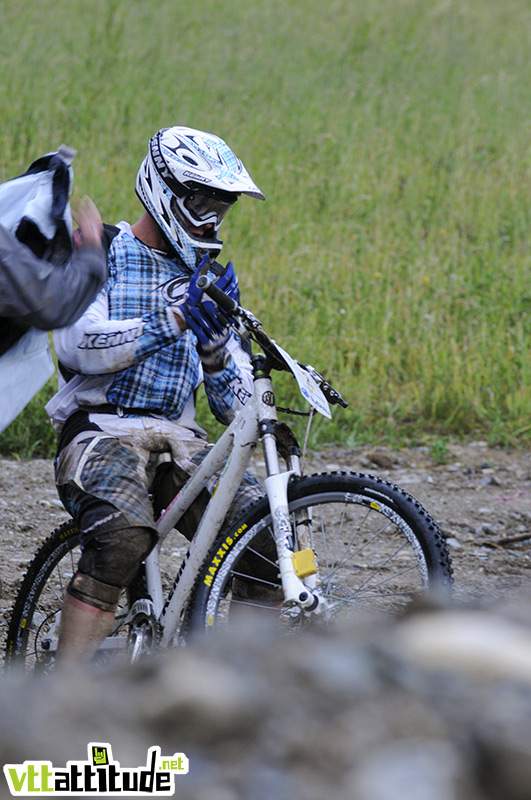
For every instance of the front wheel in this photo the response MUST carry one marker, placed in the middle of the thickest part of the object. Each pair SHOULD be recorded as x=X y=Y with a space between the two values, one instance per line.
x=376 y=548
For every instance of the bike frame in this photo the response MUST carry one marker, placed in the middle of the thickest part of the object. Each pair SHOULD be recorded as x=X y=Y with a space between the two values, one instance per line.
x=232 y=454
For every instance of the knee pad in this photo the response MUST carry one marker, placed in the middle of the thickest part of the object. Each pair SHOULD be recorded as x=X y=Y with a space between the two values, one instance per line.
x=93 y=592
x=113 y=557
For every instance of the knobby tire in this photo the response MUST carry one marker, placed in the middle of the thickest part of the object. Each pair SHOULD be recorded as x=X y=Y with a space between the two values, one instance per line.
x=377 y=549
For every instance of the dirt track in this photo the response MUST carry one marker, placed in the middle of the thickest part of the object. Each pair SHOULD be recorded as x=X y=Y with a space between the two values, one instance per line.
x=481 y=498
x=436 y=705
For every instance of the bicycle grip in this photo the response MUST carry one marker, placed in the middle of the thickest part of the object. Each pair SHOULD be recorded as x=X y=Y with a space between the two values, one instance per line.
x=225 y=302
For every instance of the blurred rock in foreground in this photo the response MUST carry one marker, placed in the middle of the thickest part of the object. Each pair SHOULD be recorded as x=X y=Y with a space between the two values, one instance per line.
x=435 y=706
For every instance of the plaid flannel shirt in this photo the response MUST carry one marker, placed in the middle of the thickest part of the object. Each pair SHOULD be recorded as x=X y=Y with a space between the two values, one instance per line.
x=162 y=368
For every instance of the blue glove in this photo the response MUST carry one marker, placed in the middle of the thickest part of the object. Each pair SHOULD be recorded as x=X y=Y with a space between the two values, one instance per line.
x=225 y=279
x=204 y=317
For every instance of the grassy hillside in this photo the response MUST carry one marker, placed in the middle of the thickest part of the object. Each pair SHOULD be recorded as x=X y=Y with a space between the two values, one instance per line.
x=392 y=141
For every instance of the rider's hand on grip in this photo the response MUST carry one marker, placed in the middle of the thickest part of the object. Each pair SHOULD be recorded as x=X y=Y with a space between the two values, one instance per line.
x=223 y=278
x=204 y=317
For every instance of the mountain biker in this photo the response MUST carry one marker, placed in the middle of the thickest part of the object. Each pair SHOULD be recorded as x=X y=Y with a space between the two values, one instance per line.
x=131 y=366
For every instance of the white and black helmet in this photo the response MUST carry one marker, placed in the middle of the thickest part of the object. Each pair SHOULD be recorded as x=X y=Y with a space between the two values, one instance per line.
x=190 y=176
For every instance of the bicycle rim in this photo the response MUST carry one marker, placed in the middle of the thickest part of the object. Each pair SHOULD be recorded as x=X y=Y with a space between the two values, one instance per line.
x=376 y=547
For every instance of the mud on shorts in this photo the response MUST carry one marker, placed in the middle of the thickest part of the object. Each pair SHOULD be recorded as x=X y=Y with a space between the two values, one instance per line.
x=105 y=483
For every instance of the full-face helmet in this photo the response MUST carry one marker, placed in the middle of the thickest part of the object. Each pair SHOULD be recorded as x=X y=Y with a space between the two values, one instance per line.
x=190 y=179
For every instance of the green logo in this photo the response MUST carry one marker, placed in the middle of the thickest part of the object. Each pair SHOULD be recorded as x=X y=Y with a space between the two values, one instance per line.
x=99 y=756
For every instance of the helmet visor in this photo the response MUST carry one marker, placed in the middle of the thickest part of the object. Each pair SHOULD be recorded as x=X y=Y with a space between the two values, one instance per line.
x=203 y=209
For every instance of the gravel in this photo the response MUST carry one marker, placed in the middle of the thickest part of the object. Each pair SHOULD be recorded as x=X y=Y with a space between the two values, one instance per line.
x=435 y=706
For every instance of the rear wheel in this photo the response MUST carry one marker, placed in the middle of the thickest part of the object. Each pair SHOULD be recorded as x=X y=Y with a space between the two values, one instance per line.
x=33 y=628
x=376 y=548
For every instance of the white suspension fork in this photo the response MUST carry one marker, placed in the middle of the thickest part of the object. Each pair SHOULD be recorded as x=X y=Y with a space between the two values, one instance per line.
x=276 y=485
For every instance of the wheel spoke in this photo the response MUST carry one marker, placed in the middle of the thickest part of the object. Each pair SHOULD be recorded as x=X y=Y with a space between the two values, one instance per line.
x=372 y=554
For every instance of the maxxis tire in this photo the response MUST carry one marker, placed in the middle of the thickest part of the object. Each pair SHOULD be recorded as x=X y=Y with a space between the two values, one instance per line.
x=376 y=518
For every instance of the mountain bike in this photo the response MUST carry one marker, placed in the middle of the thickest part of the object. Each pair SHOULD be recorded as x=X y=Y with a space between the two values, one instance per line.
x=314 y=549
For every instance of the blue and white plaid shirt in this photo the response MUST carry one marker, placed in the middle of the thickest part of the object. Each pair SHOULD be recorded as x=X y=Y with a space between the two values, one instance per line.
x=127 y=349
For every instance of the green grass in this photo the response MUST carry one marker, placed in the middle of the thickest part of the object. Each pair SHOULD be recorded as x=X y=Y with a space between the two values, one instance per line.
x=391 y=138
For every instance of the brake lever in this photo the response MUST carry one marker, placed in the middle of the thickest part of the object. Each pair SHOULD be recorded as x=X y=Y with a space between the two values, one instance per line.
x=331 y=394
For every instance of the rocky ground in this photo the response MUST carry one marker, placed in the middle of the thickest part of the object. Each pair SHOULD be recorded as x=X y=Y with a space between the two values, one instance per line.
x=436 y=706
x=480 y=497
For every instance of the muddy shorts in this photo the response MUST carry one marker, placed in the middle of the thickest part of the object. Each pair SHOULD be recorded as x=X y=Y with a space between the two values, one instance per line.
x=109 y=471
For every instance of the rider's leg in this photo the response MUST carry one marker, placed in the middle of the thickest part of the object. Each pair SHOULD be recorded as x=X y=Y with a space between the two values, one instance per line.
x=82 y=629
x=109 y=563
x=100 y=482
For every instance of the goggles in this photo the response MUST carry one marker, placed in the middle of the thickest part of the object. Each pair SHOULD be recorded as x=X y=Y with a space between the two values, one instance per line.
x=203 y=209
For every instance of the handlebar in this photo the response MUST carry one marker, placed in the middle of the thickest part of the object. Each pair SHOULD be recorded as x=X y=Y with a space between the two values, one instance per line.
x=248 y=325
x=225 y=302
